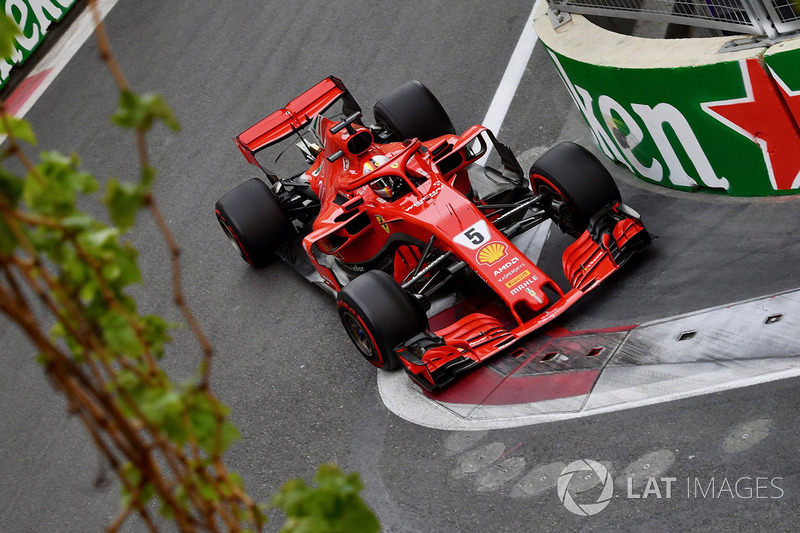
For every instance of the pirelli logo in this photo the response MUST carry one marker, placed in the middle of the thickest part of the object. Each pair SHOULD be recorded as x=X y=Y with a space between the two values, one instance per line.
x=512 y=282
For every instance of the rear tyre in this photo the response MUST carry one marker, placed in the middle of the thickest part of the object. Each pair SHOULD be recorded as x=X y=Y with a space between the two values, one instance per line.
x=412 y=111
x=254 y=221
x=578 y=184
x=378 y=315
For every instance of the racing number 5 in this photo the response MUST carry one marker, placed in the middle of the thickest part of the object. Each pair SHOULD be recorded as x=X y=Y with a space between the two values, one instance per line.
x=474 y=236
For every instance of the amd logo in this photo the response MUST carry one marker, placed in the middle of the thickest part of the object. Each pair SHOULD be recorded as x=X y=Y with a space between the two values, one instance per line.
x=506 y=266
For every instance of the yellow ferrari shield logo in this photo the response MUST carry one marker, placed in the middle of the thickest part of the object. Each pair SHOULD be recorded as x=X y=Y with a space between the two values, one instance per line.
x=382 y=222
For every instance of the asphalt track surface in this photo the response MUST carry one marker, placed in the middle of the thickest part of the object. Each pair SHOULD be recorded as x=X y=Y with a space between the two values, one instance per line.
x=299 y=392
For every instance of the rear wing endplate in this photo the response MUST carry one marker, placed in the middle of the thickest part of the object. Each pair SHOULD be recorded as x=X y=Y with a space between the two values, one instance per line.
x=296 y=115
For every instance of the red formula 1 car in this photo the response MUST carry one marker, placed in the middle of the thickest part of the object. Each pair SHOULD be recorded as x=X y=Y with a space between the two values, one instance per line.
x=398 y=222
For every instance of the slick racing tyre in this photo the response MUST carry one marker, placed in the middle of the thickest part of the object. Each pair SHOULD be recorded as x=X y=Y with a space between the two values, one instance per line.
x=412 y=111
x=578 y=184
x=378 y=315
x=254 y=221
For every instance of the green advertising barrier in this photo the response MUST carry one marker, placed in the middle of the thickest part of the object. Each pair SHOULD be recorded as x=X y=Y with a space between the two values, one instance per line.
x=681 y=113
x=783 y=61
x=34 y=18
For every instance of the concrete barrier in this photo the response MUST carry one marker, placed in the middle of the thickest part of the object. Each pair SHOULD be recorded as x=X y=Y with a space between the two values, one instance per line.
x=683 y=113
x=33 y=18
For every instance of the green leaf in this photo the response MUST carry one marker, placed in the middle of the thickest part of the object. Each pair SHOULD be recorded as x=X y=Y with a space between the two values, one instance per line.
x=53 y=192
x=175 y=430
x=235 y=479
x=119 y=335
x=165 y=510
x=132 y=475
x=205 y=415
x=98 y=239
x=203 y=424
x=148 y=491
x=59 y=331
x=10 y=187
x=137 y=111
x=8 y=33
x=89 y=292
x=155 y=333
x=130 y=112
x=207 y=491
x=159 y=405
x=8 y=242
x=76 y=274
x=18 y=128
x=230 y=434
x=78 y=222
x=128 y=380
x=125 y=258
x=333 y=506
x=134 y=478
x=123 y=201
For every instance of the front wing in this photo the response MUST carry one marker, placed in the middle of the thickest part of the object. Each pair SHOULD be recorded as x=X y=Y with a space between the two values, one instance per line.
x=434 y=359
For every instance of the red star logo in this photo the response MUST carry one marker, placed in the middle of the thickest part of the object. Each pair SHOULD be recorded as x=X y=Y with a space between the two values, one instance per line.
x=792 y=98
x=761 y=116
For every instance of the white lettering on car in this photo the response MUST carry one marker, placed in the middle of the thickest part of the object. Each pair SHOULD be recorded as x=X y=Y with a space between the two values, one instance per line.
x=433 y=194
x=521 y=286
x=506 y=266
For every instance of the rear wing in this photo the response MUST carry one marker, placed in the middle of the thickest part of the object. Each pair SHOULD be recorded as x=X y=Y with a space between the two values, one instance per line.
x=296 y=115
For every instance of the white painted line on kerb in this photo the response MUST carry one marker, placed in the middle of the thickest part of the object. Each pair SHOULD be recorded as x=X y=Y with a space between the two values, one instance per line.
x=737 y=345
x=511 y=79
x=68 y=45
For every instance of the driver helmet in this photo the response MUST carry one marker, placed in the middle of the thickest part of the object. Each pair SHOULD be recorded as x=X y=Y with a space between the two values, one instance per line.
x=383 y=187
x=374 y=162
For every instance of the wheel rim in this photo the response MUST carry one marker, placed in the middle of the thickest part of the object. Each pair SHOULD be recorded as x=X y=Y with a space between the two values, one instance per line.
x=560 y=211
x=359 y=335
x=232 y=238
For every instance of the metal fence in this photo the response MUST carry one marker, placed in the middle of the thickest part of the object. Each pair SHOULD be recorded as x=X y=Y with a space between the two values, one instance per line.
x=784 y=14
x=756 y=17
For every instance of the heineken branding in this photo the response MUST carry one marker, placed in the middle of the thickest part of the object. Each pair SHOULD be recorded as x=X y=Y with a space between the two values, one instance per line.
x=726 y=126
x=34 y=18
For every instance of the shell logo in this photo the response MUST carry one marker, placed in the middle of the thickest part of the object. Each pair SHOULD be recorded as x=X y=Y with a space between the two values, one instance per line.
x=491 y=253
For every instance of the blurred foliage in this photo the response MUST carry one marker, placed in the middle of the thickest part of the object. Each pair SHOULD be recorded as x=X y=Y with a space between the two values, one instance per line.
x=8 y=34
x=140 y=111
x=334 y=505
x=62 y=267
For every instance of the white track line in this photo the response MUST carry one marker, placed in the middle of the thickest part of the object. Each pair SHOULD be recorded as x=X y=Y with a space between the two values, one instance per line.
x=511 y=79
x=735 y=347
x=58 y=56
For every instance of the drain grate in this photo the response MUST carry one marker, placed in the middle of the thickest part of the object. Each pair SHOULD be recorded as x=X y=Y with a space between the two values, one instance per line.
x=549 y=356
x=518 y=352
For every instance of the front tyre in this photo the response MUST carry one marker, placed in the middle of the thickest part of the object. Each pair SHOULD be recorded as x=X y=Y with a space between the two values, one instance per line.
x=577 y=183
x=254 y=221
x=378 y=315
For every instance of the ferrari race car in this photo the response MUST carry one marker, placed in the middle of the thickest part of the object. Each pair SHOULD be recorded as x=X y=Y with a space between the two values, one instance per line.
x=398 y=221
